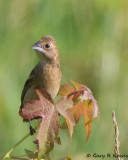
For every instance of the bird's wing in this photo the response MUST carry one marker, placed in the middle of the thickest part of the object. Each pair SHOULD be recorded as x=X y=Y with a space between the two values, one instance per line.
x=28 y=84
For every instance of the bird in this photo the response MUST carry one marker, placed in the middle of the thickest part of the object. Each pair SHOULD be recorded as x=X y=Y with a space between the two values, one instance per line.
x=46 y=74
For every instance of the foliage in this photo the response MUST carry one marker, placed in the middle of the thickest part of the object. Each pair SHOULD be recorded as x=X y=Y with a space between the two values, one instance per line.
x=74 y=102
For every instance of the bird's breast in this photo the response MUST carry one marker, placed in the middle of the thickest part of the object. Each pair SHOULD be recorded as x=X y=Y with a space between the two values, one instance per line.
x=49 y=79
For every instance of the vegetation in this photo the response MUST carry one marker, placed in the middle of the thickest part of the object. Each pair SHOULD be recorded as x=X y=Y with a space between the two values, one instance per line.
x=76 y=101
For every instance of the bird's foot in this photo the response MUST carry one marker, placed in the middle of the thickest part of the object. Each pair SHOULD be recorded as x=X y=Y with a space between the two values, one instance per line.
x=32 y=130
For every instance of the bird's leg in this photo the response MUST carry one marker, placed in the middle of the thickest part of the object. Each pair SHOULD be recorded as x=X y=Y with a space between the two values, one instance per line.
x=32 y=131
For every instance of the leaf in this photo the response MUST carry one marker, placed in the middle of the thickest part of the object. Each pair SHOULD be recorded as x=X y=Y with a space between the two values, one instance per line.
x=87 y=113
x=84 y=104
x=77 y=85
x=64 y=125
x=70 y=126
x=76 y=111
x=48 y=131
x=31 y=154
x=58 y=140
x=36 y=108
x=49 y=126
x=42 y=92
x=66 y=158
x=63 y=106
x=83 y=108
x=95 y=108
x=65 y=89
x=88 y=95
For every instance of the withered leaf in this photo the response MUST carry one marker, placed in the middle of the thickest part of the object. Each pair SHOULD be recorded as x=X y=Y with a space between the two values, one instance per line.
x=49 y=126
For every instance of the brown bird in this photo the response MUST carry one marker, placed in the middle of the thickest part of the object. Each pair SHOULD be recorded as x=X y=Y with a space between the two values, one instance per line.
x=46 y=73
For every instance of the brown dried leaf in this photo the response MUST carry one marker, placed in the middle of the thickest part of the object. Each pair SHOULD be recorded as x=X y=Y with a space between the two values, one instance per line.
x=49 y=126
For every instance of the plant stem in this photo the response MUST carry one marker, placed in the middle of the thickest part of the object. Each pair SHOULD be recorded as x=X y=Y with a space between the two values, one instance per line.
x=7 y=155
x=20 y=156
x=49 y=157
x=17 y=158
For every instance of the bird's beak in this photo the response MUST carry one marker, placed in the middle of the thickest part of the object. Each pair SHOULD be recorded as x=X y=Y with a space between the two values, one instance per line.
x=37 y=47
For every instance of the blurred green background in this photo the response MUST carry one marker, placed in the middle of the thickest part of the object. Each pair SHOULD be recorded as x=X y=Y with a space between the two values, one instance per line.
x=92 y=37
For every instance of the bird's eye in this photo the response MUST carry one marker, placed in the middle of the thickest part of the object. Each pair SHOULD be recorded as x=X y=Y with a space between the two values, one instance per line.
x=47 y=45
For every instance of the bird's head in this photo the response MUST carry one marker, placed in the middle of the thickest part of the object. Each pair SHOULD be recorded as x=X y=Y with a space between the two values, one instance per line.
x=46 y=49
